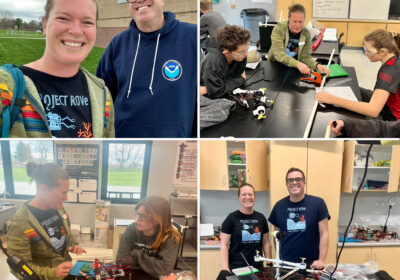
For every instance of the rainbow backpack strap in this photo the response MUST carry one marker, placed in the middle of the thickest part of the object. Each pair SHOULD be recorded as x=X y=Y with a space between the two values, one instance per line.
x=12 y=109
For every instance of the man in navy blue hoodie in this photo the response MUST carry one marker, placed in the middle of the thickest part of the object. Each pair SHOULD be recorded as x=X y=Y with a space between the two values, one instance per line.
x=151 y=71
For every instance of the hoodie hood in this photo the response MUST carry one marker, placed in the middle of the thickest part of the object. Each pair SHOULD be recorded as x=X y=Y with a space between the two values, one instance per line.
x=170 y=24
x=212 y=45
x=159 y=70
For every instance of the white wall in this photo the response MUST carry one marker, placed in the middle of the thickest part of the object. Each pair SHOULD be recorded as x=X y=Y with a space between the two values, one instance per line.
x=216 y=205
x=232 y=16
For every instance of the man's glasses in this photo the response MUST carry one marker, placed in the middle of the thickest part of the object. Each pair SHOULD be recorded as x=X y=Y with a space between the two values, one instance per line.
x=292 y=180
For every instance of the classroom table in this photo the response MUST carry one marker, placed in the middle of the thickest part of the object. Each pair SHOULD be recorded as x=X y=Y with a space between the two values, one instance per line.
x=324 y=50
x=268 y=273
x=293 y=103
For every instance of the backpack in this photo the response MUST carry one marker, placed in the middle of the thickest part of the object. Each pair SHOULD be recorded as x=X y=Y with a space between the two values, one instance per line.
x=11 y=110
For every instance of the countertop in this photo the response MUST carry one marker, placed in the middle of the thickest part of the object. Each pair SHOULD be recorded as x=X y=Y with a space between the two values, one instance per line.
x=210 y=245
x=215 y=245
x=382 y=243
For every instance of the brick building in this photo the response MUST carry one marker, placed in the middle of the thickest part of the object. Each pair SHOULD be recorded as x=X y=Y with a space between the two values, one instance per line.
x=114 y=16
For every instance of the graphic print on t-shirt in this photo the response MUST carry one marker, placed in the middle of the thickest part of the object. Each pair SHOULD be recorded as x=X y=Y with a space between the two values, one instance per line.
x=296 y=220
x=250 y=231
x=56 y=104
x=55 y=231
x=293 y=47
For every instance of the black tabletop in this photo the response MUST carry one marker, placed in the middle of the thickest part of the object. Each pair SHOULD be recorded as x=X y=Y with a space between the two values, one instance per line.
x=293 y=104
x=325 y=48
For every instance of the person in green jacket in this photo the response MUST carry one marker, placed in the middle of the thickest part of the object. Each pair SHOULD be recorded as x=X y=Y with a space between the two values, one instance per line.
x=62 y=99
x=291 y=43
x=39 y=233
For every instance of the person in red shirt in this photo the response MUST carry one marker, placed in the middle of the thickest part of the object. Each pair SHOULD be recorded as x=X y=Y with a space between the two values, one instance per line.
x=384 y=101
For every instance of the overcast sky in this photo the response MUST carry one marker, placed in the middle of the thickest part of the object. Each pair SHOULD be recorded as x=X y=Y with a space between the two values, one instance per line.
x=26 y=9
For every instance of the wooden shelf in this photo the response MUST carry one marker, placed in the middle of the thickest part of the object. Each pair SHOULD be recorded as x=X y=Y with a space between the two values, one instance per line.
x=373 y=167
x=362 y=190
x=236 y=164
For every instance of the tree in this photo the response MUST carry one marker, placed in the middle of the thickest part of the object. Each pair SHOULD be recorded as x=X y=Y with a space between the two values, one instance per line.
x=19 y=152
x=18 y=23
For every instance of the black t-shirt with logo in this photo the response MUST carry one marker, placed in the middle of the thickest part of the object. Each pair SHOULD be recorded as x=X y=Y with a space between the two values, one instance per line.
x=66 y=102
x=292 y=48
x=246 y=237
x=52 y=224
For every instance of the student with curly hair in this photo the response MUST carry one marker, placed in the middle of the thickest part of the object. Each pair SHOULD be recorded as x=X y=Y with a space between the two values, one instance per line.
x=222 y=69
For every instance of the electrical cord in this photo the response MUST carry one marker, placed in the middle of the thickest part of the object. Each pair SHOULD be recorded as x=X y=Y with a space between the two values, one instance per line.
x=352 y=211
x=385 y=226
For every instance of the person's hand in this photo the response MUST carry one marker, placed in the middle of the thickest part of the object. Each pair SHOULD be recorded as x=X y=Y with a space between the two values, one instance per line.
x=63 y=269
x=76 y=250
x=338 y=128
x=318 y=265
x=325 y=97
x=203 y=90
x=304 y=69
x=323 y=69
x=244 y=74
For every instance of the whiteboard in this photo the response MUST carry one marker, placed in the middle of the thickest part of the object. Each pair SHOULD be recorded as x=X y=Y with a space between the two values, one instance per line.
x=370 y=9
x=331 y=8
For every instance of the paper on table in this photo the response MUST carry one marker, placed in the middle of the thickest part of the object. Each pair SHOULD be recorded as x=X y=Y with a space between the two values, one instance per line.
x=252 y=65
x=343 y=92
x=244 y=270
x=330 y=35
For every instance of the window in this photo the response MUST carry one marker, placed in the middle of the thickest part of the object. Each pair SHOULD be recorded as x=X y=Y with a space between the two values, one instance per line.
x=15 y=155
x=2 y=183
x=125 y=170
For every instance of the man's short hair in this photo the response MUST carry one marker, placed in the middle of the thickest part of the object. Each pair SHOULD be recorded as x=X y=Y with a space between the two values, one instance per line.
x=294 y=169
x=297 y=8
x=232 y=36
x=205 y=5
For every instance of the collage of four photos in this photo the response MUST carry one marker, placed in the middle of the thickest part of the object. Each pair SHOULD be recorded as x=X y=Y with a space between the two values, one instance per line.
x=225 y=139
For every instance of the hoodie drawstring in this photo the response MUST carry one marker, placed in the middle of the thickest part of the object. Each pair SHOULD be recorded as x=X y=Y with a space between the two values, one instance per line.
x=133 y=67
x=154 y=64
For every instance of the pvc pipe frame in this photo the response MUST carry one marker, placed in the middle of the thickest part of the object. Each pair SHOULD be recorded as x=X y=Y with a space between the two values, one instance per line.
x=314 y=110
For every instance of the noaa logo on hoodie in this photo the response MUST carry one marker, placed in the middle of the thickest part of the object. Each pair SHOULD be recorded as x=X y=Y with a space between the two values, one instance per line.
x=172 y=70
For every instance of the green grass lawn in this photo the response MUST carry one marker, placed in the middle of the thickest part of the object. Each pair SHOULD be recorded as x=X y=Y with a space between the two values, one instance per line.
x=115 y=178
x=124 y=178
x=22 y=51
x=22 y=34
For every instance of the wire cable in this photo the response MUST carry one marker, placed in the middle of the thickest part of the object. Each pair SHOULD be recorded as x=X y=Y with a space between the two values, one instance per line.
x=352 y=211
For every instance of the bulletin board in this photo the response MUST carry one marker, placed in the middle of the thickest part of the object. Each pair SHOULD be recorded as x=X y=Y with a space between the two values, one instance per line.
x=186 y=164
x=331 y=8
x=82 y=164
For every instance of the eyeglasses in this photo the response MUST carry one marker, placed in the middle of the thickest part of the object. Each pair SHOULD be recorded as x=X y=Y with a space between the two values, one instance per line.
x=369 y=52
x=292 y=180
x=241 y=53
x=143 y=217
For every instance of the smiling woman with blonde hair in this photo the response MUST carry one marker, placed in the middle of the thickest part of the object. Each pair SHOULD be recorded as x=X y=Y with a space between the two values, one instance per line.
x=244 y=231
x=151 y=242
x=61 y=99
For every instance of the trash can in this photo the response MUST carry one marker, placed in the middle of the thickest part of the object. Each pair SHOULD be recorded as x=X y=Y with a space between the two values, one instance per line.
x=251 y=19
